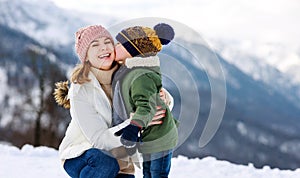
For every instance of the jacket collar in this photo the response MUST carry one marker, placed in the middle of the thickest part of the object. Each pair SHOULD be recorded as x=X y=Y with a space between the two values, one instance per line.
x=94 y=80
x=151 y=61
x=97 y=85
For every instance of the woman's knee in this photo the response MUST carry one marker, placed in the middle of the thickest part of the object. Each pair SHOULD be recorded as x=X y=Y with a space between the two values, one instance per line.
x=101 y=162
x=100 y=157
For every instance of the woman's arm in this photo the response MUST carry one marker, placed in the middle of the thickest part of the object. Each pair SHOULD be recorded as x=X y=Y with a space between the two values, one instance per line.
x=167 y=98
x=93 y=124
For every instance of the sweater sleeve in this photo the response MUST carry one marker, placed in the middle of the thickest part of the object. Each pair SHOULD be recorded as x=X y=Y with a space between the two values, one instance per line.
x=144 y=96
x=93 y=124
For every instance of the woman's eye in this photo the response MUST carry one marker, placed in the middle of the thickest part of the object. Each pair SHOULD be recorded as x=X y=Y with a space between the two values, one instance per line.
x=107 y=42
x=95 y=45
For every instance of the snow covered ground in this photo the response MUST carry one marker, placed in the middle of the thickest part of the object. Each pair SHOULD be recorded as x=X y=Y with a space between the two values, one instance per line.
x=29 y=162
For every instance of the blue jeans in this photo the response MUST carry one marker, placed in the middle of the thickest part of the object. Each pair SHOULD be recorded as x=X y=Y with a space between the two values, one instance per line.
x=93 y=163
x=125 y=176
x=157 y=165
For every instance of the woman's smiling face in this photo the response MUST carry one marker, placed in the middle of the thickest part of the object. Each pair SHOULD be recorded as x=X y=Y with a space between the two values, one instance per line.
x=101 y=53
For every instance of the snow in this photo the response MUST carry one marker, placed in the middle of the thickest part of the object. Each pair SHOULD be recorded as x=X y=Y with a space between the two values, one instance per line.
x=30 y=161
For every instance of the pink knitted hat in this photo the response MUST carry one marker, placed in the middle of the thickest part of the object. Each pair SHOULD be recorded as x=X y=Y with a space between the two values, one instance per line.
x=84 y=36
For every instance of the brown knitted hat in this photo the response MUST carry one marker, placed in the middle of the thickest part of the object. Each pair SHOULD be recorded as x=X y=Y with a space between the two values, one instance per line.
x=145 y=41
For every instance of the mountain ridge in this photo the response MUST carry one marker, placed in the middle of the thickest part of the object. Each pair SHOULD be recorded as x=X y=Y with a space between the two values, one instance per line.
x=254 y=113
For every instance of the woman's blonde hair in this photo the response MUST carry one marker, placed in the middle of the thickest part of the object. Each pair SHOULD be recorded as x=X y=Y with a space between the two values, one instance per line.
x=81 y=72
x=79 y=75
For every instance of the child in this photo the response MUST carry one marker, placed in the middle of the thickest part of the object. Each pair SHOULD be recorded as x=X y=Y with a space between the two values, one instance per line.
x=136 y=87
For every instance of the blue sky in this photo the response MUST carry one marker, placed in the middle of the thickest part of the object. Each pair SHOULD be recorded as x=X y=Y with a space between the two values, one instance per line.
x=260 y=20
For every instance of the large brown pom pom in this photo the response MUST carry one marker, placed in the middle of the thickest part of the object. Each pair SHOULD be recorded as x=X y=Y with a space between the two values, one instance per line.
x=61 y=94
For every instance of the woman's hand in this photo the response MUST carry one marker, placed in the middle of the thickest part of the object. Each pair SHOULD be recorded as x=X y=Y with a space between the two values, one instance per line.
x=119 y=152
x=156 y=120
x=164 y=97
x=160 y=113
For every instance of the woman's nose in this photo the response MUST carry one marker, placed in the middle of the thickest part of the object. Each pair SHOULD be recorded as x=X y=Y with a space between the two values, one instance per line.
x=103 y=48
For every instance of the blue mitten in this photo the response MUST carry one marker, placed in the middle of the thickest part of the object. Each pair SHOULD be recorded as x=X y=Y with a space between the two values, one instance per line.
x=130 y=136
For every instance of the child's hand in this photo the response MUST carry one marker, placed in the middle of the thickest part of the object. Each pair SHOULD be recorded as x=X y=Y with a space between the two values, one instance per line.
x=130 y=136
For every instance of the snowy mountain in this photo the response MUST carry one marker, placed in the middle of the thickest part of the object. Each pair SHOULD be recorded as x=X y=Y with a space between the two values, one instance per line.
x=260 y=123
x=273 y=64
x=27 y=92
x=258 y=119
x=284 y=58
x=29 y=162
x=45 y=22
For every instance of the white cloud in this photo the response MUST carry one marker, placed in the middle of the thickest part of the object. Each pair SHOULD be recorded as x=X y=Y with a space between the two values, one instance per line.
x=261 y=20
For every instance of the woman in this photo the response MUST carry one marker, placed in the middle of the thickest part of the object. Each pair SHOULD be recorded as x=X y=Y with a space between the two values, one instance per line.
x=90 y=148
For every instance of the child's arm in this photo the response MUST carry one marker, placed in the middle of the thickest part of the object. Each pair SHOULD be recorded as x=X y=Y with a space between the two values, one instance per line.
x=144 y=95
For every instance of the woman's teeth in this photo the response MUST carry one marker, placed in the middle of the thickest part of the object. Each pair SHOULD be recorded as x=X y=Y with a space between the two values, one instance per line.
x=104 y=55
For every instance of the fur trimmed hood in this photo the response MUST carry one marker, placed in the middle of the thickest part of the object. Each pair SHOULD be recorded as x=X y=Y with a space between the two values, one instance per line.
x=151 y=61
x=61 y=94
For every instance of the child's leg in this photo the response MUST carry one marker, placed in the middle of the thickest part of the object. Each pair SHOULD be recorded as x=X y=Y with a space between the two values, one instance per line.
x=146 y=165
x=158 y=165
